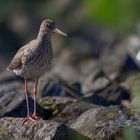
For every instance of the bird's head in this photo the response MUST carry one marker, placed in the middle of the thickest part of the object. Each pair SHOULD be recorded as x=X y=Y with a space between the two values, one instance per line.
x=49 y=26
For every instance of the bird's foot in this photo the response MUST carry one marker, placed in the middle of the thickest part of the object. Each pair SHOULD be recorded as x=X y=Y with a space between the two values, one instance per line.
x=26 y=119
x=35 y=117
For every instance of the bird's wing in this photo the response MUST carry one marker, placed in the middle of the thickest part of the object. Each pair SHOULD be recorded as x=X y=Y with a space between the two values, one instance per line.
x=17 y=59
x=30 y=55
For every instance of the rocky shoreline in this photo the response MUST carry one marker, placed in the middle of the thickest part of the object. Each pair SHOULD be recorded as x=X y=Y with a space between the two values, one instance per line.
x=83 y=96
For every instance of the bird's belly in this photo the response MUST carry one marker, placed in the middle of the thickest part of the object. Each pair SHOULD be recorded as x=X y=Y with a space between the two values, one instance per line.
x=34 y=73
x=37 y=69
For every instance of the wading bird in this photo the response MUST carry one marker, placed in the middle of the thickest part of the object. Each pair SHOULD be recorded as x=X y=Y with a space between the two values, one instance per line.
x=33 y=59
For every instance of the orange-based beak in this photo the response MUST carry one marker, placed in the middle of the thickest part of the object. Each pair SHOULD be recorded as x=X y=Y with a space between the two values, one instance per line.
x=56 y=30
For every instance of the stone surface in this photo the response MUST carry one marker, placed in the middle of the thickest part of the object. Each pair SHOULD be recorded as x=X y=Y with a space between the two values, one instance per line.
x=72 y=111
x=106 y=122
x=64 y=109
x=113 y=94
x=40 y=130
x=57 y=87
x=55 y=101
x=12 y=102
x=134 y=84
x=55 y=104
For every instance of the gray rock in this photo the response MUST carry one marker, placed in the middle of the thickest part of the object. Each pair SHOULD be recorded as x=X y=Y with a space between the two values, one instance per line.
x=10 y=96
x=97 y=80
x=113 y=94
x=12 y=102
x=72 y=111
x=57 y=87
x=39 y=130
x=106 y=122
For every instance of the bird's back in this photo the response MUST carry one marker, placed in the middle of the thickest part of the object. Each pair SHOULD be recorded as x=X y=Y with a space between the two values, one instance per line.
x=17 y=59
x=32 y=60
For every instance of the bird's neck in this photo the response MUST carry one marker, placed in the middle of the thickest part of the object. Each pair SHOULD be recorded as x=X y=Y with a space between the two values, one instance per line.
x=43 y=36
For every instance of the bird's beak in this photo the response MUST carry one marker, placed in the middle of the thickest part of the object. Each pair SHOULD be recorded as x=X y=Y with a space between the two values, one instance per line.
x=56 y=30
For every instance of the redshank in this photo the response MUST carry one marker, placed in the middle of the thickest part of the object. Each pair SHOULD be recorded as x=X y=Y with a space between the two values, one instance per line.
x=33 y=59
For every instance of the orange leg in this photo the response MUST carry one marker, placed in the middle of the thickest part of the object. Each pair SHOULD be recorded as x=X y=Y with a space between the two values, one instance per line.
x=27 y=104
x=34 y=115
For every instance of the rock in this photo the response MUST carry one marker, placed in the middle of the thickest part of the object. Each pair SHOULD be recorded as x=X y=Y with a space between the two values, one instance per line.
x=97 y=80
x=55 y=101
x=106 y=122
x=109 y=55
x=72 y=111
x=113 y=94
x=64 y=71
x=125 y=50
x=55 y=104
x=10 y=96
x=64 y=109
x=20 y=110
x=12 y=102
x=58 y=87
x=38 y=130
x=133 y=82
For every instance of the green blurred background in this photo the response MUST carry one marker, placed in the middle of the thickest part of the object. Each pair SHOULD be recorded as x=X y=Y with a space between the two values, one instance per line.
x=20 y=21
x=121 y=15
x=23 y=17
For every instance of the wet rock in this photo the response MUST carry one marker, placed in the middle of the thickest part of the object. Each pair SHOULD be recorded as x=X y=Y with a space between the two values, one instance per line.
x=39 y=130
x=106 y=122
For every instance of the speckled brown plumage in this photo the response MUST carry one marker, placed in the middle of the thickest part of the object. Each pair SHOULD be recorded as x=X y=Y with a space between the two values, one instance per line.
x=32 y=60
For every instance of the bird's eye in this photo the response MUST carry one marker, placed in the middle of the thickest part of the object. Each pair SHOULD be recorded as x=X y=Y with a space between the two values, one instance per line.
x=49 y=26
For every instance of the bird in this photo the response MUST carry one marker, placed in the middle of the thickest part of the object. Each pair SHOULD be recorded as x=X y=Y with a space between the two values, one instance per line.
x=33 y=59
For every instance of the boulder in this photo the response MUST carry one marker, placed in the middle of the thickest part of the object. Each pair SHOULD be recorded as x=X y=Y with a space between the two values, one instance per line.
x=13 y=103
x=101 y=123
x=38 y=130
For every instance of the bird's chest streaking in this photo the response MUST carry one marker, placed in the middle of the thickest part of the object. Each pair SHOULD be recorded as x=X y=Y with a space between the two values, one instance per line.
x=37 y=60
